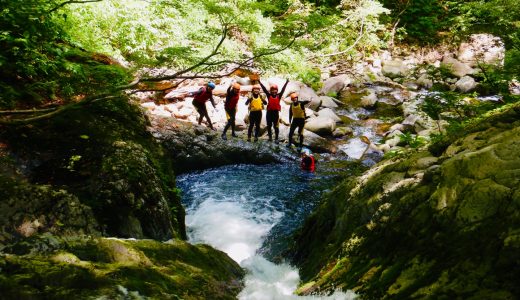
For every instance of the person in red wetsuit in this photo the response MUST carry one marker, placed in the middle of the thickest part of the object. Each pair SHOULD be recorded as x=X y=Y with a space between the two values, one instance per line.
x=200 y=98
x=273 y=108
x=308 y=163
x=232 y=97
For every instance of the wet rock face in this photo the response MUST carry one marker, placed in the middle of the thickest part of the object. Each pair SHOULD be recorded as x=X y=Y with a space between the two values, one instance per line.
x=103 y=159
x=424 y=226
x=109 y=268
x=195 y=147
x=27 y=210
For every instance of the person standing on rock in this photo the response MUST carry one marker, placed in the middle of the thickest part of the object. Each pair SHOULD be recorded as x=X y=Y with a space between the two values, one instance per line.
x=273 y=109
x=256 y=104
x=200 y=98
x=297 y=118
x=232 y=97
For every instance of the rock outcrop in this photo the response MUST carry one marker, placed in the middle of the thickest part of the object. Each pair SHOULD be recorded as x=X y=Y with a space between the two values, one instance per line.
x=432 y=224
x=102 y=159
x=51 y=267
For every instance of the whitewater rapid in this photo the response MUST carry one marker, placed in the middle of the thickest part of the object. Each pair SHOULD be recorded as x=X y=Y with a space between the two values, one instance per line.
x=236 y=208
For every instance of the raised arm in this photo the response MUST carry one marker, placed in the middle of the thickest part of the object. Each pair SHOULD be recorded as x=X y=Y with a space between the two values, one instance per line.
x=263 y=88
x=283 y=88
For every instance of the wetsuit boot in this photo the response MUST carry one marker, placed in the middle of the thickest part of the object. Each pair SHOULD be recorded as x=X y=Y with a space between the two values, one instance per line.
x=276 y=132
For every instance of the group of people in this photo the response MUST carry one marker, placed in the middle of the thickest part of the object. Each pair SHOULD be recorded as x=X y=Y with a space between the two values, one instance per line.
x=256 y=101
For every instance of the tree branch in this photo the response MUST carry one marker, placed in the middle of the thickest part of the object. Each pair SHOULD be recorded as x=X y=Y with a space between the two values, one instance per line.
x=55 y=111
x=360 y=35
x=26 y=111
x=71 y=2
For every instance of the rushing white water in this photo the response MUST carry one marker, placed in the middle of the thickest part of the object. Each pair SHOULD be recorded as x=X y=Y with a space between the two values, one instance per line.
x=235 y=208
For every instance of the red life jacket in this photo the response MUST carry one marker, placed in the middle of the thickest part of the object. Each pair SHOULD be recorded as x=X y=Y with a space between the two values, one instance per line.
x=308 y=164
x=232 y=102
x=274 y=103
x=203 y=96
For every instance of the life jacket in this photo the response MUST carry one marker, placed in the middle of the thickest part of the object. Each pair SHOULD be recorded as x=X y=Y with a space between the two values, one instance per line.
x=297 y=111
x=274 y=103
x=256 y=104
x=203 y=96
x=308 y=163
x=232 y=100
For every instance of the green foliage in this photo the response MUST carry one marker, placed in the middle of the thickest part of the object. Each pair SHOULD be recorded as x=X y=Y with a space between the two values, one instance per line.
x=412 y=140
x=311 y=77
x=39 y=65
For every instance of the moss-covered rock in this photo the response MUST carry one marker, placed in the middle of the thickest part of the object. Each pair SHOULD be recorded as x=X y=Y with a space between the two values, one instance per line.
x=423 y=226
x=102 y=155
x=83 y=267
x=26 y=210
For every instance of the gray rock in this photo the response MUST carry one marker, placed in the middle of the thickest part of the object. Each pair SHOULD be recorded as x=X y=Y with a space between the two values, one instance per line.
x=327 y=101
x=457 y=68
x=329 y=113
x=466 y=84
x=335 y=84
x=394 y=69
x=342 y=131
x=483 y=48
x=321 y=125
x=425 y=81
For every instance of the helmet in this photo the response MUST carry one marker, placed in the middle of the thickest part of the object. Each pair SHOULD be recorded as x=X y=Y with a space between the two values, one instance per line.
x=273 y=87
x=236 y=86
x=211 y=85
x=294 y=95
x=306 y=151
x=256 y=87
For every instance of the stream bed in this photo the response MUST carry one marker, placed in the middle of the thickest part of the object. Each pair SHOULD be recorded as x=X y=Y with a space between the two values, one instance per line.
x=248 y=211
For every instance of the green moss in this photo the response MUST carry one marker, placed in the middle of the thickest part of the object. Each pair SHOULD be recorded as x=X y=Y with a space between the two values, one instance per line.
x=95 y=267
x=426 y=227
x=103 y=155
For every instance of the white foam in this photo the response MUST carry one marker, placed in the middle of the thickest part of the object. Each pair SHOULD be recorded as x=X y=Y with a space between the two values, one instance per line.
x=237 y=223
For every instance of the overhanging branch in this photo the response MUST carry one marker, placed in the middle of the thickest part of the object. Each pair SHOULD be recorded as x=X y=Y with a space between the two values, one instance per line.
x=71 y=2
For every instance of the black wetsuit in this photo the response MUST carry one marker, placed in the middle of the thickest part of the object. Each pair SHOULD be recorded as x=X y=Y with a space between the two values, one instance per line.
x=255 y=117
x=297 y=122
x=231 y=110
x=273 y=113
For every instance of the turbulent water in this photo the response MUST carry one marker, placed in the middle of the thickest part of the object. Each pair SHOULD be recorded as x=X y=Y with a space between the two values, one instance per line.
x=248 y=212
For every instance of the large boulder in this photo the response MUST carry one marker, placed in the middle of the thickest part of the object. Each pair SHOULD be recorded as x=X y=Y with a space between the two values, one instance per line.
x=109 y=268
x=329 y=113
x=466 y=84
x=456 y=67
x=482 y=48
x=329 y=102
x=395 y=68
x=334 y=85
x=321 y=125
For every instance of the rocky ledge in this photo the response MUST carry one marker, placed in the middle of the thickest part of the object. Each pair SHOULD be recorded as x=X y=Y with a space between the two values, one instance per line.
x=440 y=224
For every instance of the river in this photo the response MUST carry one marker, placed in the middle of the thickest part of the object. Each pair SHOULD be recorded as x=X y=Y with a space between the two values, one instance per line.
x=248 y=211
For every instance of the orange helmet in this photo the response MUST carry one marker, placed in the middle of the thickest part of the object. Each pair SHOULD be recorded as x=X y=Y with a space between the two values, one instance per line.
x=236 y=86
x=273 y=87
x=294 y=95
x=256 y=87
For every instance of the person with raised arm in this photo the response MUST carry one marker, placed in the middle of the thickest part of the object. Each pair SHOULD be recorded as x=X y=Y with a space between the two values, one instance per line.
x=273 y=109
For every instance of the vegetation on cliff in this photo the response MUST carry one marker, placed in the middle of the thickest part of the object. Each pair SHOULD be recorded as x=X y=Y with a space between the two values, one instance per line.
x=441 y=225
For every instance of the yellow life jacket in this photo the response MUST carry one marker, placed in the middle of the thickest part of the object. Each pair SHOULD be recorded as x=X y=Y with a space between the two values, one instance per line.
x=256 y=104
x=297 y=111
